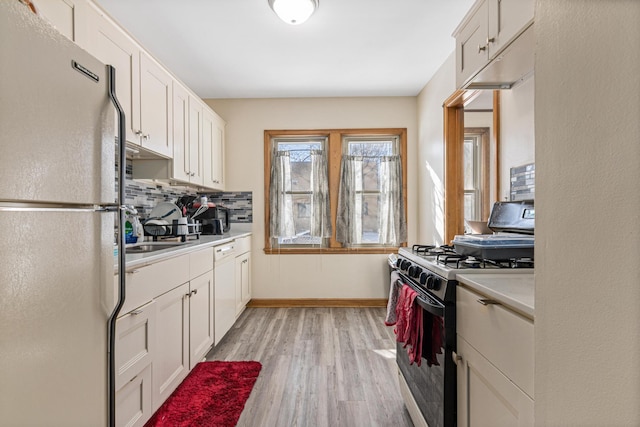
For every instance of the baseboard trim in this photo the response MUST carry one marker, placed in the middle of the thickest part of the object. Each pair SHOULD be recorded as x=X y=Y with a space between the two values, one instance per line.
x=318 y=302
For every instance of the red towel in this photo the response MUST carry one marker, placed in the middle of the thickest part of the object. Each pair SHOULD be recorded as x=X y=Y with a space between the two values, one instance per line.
x=408 y=328
x=433 y=340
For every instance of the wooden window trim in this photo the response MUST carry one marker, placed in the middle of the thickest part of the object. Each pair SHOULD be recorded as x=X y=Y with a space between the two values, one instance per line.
x=485 y=175
x=334 y=147
x=453 y=109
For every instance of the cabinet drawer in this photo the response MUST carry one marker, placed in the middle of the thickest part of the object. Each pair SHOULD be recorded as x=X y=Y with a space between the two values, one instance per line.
x=200 y=262
x=133 y=401
x=135 y=341
x=147 y=282
x=243 y=244
x=502 y=336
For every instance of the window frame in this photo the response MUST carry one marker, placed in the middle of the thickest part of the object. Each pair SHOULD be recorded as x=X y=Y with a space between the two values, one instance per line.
x=334 y=154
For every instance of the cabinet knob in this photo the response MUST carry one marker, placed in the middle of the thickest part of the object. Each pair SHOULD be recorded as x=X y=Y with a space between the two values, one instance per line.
x=193 y=292
x=138 y=132
x=482 y=48
x=136 y=312
x=491 y=40
x=147 y=136
x=455 y=357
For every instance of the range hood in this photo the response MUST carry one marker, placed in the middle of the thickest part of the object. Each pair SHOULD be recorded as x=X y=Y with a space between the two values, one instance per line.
x=512 y=66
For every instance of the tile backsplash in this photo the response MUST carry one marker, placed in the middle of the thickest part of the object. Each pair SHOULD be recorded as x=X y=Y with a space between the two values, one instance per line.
x=145 y=195
x=523 y=182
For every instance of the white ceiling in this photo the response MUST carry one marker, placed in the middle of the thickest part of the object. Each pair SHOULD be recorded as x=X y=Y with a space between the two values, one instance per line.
x=241 y=49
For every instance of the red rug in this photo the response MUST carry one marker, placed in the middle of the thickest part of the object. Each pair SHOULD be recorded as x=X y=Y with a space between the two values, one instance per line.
x=213 y=394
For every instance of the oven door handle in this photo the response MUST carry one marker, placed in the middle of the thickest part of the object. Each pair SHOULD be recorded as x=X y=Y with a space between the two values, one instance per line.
x=436 y=309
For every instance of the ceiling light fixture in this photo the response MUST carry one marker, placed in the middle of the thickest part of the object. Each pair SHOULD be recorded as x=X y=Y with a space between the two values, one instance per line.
x=294 y=12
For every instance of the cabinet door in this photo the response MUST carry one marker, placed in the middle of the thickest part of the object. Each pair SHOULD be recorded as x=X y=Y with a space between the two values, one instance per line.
x=507 y=18
x=471 y=46
x=195 y=141
x=200 y=317
x=213 y=150
x=243 y=281
x=110 y=45
x=133 y=401
x=155 y=106
x=171 y=364
x=135 y=342
x=486 y=398
x=181 y=151
x=61 y=14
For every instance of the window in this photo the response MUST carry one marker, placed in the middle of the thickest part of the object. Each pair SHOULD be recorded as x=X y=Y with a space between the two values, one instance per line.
x=475 y=170
x=360 y=208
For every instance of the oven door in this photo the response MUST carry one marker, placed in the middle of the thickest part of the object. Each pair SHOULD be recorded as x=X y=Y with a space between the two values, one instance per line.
x=433 y=384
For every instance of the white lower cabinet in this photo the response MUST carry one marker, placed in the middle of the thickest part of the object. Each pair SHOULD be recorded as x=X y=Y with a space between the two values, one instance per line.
x=133 y=400
x=243 y=273
x=494 y=363
x=486 y=397
x=171 y=365
x=135 y=349
x=200 y=318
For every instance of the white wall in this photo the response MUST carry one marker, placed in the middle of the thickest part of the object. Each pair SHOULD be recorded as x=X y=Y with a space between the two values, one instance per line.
x=431 y=153
x=587 y=109
x=310 y=276
x=517 y=132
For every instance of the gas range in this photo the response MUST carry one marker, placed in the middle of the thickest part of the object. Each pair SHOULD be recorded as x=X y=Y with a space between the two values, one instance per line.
x=444 y=261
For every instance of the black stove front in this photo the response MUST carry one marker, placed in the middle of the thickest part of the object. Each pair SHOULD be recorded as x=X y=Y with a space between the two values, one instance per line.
x=433 y=383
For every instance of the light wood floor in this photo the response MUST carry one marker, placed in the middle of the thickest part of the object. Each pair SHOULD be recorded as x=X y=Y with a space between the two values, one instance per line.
x=320 y=367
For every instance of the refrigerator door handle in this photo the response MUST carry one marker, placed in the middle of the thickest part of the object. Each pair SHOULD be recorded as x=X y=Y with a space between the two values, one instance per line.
x=111 y=330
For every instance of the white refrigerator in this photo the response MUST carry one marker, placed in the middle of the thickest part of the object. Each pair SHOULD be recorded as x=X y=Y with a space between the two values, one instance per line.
x=58 y=209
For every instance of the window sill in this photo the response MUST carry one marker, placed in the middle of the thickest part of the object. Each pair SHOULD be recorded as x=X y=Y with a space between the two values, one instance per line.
x=330 y=251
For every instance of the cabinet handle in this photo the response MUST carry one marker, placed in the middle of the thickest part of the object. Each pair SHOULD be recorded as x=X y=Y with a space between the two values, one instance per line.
x=456 y=357
x=138 y=132
x=482 y=48
x=491 y=40
x=133 y=271
x=147 y=136
x=136 y=312
x=193 y=292
x=192 y=174
x=487 y=301
x=187 y=295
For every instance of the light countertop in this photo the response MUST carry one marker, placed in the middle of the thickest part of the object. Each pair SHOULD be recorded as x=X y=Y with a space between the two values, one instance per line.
x=513 y=290
x=135 y=260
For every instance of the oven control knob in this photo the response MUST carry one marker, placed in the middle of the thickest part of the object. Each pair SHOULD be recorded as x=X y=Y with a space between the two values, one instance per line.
x=405 y=265
x=434 y=283
x=423 y=278
x=399 y=262
x=414 y=271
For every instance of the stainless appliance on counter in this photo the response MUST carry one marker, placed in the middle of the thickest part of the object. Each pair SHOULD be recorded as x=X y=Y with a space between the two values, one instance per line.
x=431 y=271
x=57 y=214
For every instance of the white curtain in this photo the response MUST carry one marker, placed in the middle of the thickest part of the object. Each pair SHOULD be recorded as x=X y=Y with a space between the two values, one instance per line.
x=349 y=220
x=281 y=219
x=392 y=221
x=320 y=210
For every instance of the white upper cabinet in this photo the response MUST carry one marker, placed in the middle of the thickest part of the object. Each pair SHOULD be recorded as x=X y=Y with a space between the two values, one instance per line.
x=195 y=141
x=213 y=150
x=155 y=127
x=66 y=16
x=112 y=46
x=143 y=87
x=485 y=32
x=507 y=19
x=181 y=141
